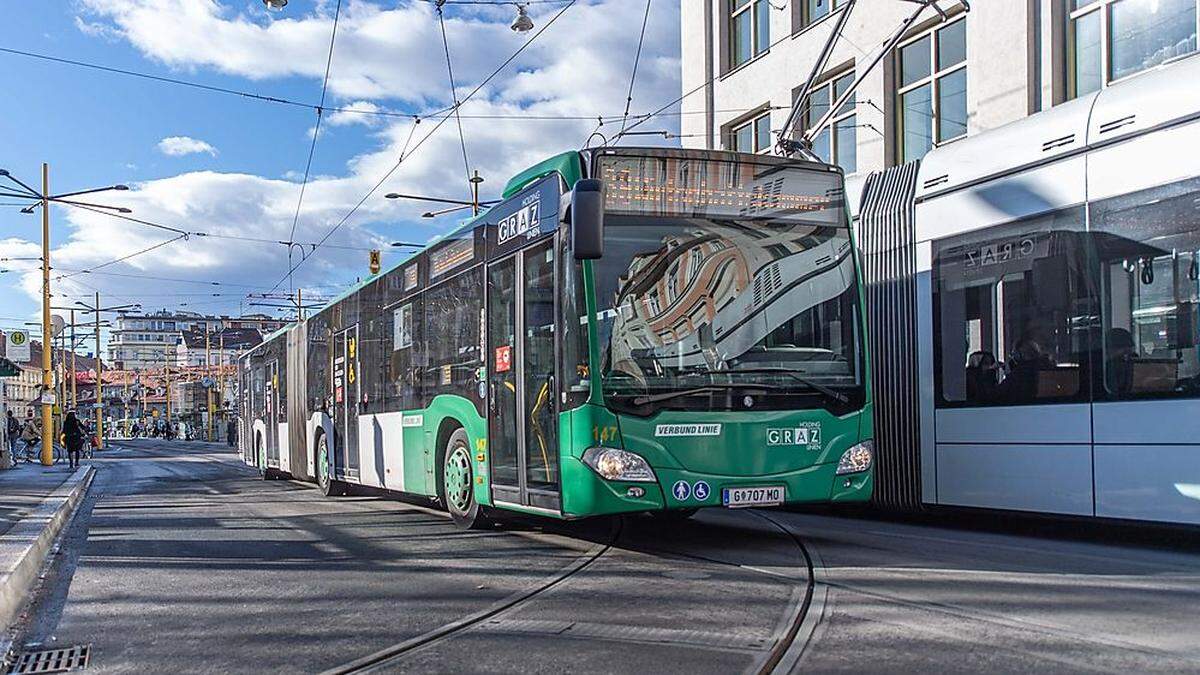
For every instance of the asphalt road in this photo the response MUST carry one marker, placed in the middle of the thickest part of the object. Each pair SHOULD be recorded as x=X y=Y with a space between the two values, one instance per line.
x=182 y=560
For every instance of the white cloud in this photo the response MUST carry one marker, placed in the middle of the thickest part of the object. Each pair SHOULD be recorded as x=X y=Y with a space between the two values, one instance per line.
x=358 y=112
x=177 y=146
x=385 y=59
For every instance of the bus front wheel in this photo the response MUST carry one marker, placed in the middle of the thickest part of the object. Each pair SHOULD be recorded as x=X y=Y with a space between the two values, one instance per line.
x=457 y=481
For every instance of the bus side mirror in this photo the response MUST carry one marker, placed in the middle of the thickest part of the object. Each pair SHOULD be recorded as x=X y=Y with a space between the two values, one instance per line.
x=587 y=219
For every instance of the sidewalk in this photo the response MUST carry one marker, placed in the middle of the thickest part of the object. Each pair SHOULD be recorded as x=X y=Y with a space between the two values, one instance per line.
x=24 y=487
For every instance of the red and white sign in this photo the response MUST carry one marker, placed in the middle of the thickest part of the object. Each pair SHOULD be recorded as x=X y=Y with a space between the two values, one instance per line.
x=503 y=358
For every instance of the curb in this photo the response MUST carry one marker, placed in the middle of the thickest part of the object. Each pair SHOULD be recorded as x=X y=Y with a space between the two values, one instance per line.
x=24 y=548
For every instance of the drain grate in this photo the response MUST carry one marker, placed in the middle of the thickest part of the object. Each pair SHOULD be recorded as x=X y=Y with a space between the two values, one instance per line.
x=52 y=660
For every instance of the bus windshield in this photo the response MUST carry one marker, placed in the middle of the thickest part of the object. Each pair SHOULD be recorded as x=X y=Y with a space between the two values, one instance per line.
x=699 y=302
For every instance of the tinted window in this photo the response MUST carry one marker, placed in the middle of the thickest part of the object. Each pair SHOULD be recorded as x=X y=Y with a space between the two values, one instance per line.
x=1014 y=307
x=1148 y=252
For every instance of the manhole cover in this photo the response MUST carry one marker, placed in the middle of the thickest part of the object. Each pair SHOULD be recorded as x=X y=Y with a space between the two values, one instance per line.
x=52 y=660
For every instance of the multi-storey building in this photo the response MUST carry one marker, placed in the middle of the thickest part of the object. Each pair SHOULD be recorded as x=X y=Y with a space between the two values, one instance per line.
x=744 y=62
x=141 y=341
x=217 y=348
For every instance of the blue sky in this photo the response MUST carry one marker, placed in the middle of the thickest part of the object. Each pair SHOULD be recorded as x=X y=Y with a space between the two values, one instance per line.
x=241 y=176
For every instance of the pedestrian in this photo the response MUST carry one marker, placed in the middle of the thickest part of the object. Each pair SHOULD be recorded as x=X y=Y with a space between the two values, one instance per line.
x=30 y=436
x=74 y=436
x=12 y=430
x=231 y=433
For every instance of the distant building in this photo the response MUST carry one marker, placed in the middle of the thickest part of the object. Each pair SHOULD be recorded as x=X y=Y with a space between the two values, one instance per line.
x=142 y=341
x=23 y=391
x=220 y=347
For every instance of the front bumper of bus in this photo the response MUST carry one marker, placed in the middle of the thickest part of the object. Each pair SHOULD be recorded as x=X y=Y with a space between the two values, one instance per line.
x=592 y=495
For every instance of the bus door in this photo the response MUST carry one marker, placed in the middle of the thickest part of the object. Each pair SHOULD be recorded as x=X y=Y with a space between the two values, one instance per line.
x=523 y=410
x=258 y=392
x=271 y=414
x=346 y=398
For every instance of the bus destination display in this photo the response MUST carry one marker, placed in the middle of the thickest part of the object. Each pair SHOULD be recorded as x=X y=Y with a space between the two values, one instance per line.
x=672 y=186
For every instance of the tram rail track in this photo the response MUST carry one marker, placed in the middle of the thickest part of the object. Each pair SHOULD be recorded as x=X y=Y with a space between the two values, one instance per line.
x=790 y=647
x=389 y=655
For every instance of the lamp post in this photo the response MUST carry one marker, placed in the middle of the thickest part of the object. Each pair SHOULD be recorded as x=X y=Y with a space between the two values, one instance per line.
x=43 y=199
x=99 y=405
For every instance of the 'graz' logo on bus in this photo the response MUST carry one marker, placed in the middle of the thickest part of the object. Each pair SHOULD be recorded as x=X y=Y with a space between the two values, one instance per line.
x=687 y=430
x=807 y=435
x=524 y=221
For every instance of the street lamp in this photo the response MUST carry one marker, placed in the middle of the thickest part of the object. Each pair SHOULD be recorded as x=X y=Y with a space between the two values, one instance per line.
x=522 y=24
x=43 y=198
x=275 y=5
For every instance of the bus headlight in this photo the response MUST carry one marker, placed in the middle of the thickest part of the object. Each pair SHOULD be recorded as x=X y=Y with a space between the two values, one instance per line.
x=614 y=464
x=857 y=458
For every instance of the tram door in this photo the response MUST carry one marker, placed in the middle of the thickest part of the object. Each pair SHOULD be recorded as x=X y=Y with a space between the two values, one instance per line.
x=346 y=399
x=522 y=406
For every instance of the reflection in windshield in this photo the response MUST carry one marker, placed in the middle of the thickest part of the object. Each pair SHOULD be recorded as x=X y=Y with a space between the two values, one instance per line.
x=687 y=302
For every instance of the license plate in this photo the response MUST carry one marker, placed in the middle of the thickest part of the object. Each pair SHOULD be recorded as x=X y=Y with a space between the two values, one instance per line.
x=752 y=496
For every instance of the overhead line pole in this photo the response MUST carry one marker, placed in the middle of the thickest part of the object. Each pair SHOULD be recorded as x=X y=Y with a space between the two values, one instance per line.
x=47 y=377
x=99 y=382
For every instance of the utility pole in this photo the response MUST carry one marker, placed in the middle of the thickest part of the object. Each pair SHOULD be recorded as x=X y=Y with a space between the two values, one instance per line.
x=47 y=376
x=74 y=397
x=99 y=382
x=167 y=379
x=43 y=199
x=221 y=372
x=208 y=374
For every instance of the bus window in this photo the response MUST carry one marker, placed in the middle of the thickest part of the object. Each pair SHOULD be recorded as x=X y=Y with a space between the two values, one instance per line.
x=575 y=382
x=453 y=312
x=1013 y=307
x=403 y=365
x=1148 y=247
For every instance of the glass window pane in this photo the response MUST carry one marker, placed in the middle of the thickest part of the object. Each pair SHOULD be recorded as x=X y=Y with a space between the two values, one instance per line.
x=743 y=138
x=1077 y=4
x=1087 y=54
x=762 y=133
x=818 y=103
x=952 y=105
x=916 y=123
x=1144 y=34
x=817 y=9
x=821 y=145
x=846 y=137
x=1148 y=248
x=840 y=86
x=1007 y=302
x=762 y=26
x=952 y=44
x=914 y=61
x=740 y=36
x=738 y=4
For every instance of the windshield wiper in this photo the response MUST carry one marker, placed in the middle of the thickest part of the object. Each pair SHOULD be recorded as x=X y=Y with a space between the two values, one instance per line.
x=666 y=396
x=795 y=375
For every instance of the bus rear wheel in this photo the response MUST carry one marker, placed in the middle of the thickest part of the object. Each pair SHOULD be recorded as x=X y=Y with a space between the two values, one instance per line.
x=329 y=487
x=457 y=480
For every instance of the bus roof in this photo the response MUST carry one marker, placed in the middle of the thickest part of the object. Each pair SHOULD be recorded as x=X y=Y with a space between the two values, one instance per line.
x=567 y=164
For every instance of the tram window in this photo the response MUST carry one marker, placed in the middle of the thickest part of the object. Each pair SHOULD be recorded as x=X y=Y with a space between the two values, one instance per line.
x=1148 y=248
x=318 y=361
x=453 y=313
x=1012 y=314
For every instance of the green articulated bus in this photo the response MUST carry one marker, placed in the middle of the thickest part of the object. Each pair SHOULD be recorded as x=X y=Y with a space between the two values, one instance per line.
x=629 y=330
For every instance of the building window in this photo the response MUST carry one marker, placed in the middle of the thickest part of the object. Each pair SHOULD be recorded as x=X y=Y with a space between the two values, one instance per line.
x=813 y=11
x=1111 y=39
x=933 y=89
x=749 y=30
x=838 y=141
x=752 y=136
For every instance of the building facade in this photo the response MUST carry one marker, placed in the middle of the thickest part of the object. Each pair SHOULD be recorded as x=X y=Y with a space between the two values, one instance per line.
x=744 y=62
x=141 y=341
x=218 y=348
